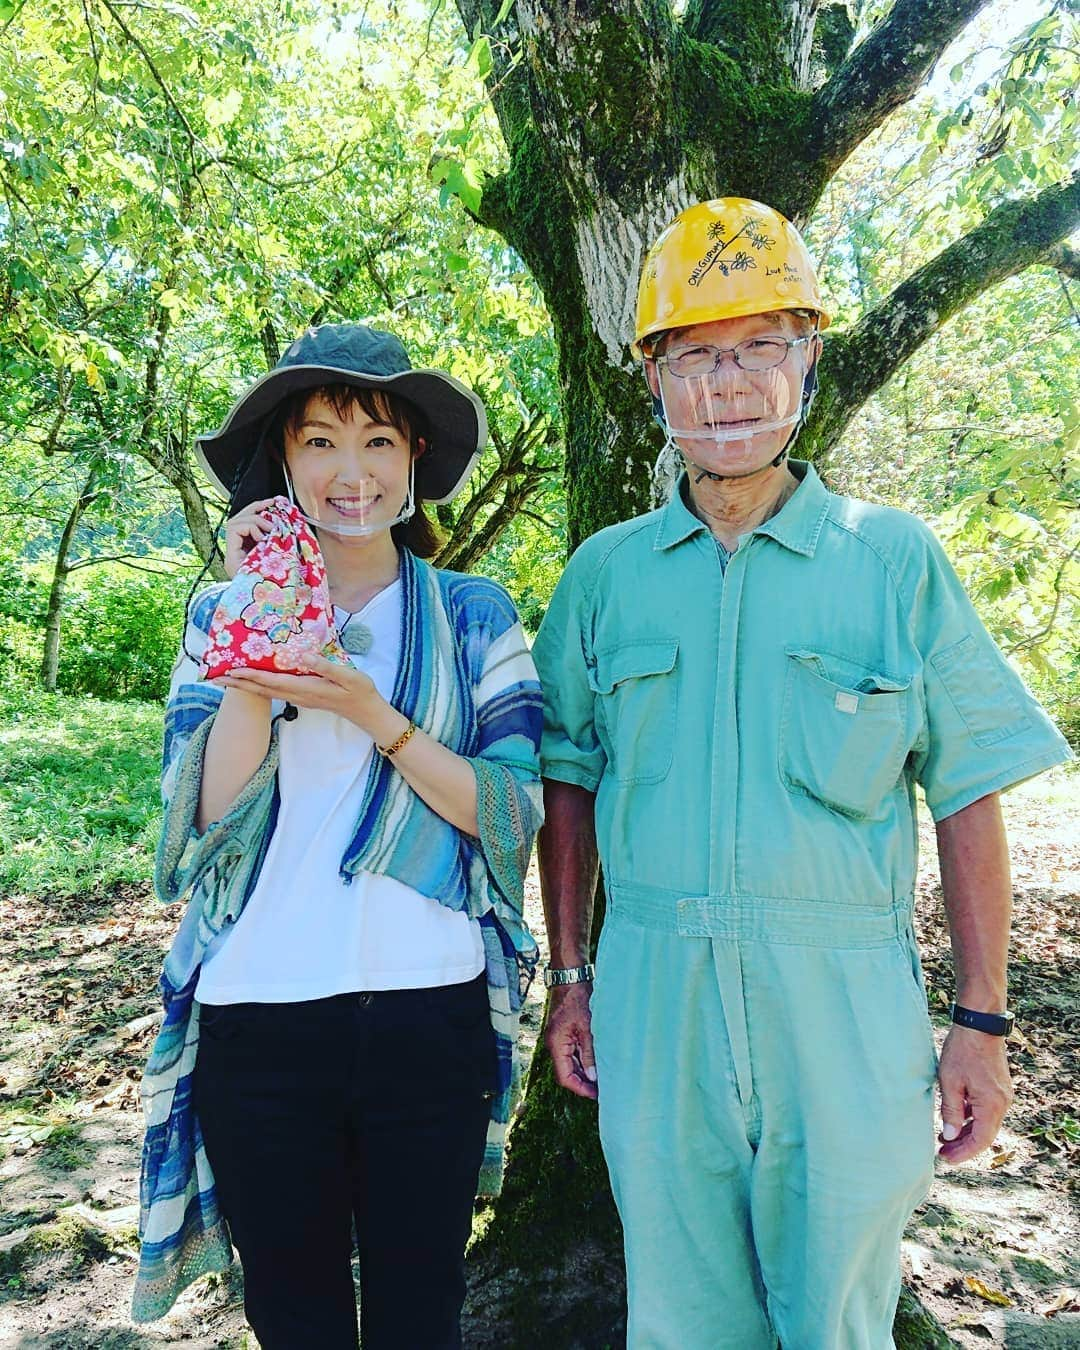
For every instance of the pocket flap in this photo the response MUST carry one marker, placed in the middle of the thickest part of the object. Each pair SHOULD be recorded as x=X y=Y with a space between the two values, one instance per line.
x=848 y=674
x=632 y=660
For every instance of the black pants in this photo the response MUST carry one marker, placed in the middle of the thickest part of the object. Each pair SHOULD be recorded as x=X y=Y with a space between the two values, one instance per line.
x=368 y=1107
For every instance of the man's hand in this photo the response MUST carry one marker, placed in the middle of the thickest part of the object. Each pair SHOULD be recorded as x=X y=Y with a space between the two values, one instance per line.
x=568 y=1037
x=976 y=1091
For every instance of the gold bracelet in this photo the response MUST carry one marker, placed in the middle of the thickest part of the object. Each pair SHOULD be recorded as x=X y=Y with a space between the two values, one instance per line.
x=393 y=749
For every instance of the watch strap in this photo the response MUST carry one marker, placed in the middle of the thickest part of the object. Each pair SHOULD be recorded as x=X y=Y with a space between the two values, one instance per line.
x=554 y=975
x=993 y=1024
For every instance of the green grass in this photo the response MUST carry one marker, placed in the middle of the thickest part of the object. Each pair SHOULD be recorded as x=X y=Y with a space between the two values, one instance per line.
x=1064 y=1132
x=1036 y=1272
x=79 y=805
x=79 y=1243
x=66 y=1149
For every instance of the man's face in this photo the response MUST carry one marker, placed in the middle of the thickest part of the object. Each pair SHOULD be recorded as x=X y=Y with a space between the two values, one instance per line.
x=717 y=412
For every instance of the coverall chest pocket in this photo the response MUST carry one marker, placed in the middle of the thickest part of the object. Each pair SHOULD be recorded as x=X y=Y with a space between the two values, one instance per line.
x=635 y=684
x=843 y=743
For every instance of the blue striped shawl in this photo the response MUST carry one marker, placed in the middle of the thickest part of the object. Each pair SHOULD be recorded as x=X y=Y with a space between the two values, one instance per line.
x=466 y=677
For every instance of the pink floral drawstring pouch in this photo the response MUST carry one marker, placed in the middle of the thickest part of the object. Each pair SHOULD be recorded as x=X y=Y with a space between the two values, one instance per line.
x=276 y=610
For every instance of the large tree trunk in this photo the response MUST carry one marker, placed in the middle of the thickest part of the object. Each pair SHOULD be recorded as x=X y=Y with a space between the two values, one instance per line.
x=616 y=116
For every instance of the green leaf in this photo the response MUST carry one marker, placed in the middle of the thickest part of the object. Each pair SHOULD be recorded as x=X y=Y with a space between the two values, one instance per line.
x=458 y=180
x=480 y=56
x=470 y=190
x=22 y=278
x=1008 y=170
x=219 y=112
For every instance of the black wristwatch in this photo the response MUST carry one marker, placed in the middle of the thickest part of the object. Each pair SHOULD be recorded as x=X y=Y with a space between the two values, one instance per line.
x=993 y=1024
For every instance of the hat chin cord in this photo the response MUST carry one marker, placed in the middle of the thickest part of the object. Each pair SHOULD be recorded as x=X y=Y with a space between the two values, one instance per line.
x=359 y=530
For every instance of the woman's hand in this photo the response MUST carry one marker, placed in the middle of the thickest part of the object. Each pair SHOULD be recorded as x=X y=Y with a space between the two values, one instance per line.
x=243 y=531
x=444 y=780
x=333 y=687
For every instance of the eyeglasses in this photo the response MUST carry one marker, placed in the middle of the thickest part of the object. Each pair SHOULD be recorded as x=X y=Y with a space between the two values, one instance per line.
x=755 y=354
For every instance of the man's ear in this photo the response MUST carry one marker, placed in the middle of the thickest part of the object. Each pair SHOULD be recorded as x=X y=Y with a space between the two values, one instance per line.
x=813 y=348
x=421 y=447
x=652 y=376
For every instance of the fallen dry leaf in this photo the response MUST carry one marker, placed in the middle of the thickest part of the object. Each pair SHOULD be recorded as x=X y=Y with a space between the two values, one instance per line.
x=1067 y=1301
x=969 y=1322
x=988 y=1295
x=1017 y=1037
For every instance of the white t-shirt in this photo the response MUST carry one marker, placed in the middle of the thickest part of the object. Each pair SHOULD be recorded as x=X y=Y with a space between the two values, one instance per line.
x=304 y=933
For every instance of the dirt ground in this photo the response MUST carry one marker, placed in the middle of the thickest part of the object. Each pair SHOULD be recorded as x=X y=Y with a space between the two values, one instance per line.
x=995 y=1253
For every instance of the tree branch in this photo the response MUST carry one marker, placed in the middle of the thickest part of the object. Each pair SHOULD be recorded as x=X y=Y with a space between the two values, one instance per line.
x=1015 y=235
x=883 y=72
x=1065 y=259
x=345 y=152
x=1034 y=639
x=125 y=559
x=508 y=81
x=166 y=92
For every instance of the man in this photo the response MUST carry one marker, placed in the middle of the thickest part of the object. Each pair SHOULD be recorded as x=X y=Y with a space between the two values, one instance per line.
x=741 y=691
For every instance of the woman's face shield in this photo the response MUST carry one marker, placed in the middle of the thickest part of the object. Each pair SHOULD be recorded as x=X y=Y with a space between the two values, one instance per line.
x=362 y=504
x=717 y=395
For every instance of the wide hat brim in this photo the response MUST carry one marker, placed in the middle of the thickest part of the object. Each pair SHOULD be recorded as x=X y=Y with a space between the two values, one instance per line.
x=456 y=420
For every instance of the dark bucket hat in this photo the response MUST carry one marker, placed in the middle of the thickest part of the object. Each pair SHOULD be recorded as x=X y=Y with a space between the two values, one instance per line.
x=348 y=353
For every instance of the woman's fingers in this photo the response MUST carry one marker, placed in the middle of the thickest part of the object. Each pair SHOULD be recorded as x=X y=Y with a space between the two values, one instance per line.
x=250 y=528
x=243 y=531
x=252 y=522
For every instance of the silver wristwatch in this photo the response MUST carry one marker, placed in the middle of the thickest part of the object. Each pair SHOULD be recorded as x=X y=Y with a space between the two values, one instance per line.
x=568 y=975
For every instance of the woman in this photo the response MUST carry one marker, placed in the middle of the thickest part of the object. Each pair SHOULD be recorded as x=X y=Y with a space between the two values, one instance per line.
x=341 y=999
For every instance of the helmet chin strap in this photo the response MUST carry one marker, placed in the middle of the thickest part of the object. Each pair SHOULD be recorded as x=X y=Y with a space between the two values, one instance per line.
x=731 y=477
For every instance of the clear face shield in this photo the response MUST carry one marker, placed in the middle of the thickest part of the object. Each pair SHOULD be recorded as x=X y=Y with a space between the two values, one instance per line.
x=361 y=504
x=715 y=395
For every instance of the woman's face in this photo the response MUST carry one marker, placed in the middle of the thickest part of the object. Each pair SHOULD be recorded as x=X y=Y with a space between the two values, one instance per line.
x=347 y=468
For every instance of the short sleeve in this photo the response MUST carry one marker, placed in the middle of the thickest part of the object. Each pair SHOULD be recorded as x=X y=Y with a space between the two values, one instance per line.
x=570 y=750
x=983 y=731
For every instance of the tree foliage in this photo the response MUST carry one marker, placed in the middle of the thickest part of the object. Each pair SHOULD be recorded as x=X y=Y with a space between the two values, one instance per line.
x=183 y=188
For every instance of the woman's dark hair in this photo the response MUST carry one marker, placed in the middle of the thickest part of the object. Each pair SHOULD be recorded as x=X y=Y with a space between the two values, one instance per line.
x=419 y=535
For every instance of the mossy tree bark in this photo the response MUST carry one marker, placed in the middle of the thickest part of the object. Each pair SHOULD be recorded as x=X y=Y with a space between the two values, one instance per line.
x=617 y=114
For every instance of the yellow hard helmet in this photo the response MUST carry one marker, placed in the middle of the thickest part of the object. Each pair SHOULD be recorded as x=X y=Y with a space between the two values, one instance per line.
x=724 y=259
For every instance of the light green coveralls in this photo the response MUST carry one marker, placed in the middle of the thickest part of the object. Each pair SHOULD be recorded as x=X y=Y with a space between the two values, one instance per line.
x=764 y=1053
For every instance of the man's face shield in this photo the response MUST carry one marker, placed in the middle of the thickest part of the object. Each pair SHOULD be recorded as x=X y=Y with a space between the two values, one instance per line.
x=718 y=395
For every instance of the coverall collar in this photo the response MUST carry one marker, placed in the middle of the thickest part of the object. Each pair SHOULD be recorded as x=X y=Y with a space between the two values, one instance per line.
x=796 y=525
